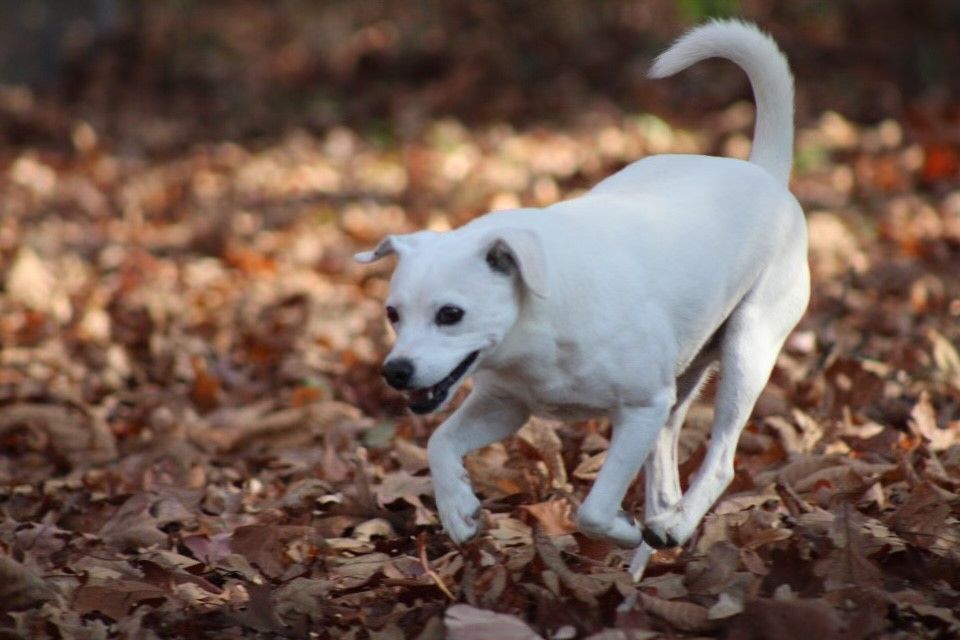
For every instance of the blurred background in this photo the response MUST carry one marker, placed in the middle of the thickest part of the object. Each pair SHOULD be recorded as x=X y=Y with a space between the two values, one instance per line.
x=165 y=72
x=185 y=182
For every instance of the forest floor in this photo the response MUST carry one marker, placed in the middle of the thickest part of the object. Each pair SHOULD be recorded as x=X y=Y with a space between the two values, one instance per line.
x=195 y=440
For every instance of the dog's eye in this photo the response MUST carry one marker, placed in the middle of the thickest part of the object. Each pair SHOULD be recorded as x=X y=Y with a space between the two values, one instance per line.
x=449 y=314
x=392 y=315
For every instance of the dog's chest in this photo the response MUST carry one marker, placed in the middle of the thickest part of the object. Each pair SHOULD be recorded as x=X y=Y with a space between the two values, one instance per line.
x=553 y=390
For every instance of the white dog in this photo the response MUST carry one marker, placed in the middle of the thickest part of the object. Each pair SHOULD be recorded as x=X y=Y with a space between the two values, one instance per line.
x=618 y=303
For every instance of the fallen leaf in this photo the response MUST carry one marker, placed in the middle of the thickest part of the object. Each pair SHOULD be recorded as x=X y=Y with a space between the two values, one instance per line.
x=30 y=282
x=115 y=598
x=542 y=436
x=847 y=565
x=350 y=573
x=711 y=574
x=763 y=619
x=464 y=622
x=82 y=439
x=553 y=517
x=21 y=588
x=685 y=616
x=265 y=546
x=401 y=485
x=302 y=597
x=726 y=606
x=924 y=420
x=585 y=587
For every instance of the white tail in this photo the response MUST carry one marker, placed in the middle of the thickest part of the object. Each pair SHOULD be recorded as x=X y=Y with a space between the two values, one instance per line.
x=766 y=67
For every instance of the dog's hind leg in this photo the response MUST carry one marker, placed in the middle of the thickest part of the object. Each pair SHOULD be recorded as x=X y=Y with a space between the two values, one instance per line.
x=662 y=488
x=635 y=431
x=754 y=334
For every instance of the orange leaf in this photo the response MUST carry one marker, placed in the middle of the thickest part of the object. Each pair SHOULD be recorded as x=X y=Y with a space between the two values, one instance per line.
x=553 y=517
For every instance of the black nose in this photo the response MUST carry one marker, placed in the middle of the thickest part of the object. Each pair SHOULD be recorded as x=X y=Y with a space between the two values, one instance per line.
x=398 y=373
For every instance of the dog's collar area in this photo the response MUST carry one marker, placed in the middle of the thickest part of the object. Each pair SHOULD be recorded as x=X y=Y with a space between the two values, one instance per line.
x=428 y=399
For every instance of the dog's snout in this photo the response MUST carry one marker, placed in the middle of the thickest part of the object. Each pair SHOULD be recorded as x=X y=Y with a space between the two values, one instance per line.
x=398 y=373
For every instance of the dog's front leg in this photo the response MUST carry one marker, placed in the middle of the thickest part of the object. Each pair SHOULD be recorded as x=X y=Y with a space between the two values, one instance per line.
x=484 y=418
x=635 y=430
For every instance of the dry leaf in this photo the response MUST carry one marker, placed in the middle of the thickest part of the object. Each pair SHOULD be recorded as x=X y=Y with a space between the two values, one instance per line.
x=924 y=419
x=685 y=616
x=464 y=622
x=542 y=436
x=763 y=619
x=553 y=517
x=590 y=467
x=30 y=282
x=21 y=588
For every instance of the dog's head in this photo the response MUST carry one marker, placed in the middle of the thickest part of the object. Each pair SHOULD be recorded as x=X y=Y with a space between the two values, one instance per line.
x=453 y=299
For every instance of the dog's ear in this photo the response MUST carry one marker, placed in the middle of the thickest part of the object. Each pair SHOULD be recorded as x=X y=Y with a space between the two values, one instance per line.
x=386 y=247
x=519 y=251
x=399 y=244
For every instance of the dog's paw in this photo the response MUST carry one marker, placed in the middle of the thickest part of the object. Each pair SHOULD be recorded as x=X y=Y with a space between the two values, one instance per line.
x=658 y=539
x=622 y=529
x=459 y=513
x=665 y=530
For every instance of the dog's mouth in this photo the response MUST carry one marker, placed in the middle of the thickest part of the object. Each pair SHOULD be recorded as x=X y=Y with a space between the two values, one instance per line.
x=428 y=399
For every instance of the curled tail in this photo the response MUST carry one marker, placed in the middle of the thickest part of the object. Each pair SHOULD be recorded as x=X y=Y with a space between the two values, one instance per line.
x=766 y=67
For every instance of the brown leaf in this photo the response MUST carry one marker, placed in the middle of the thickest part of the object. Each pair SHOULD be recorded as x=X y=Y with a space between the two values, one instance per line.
x=412 y=458
x=259 y=611
x=942 y=616
x=945 y=357
x=115 y=598
x=133 y=526
x=625 y=634
x=350 y=573
x=265 y=545
x=847 y=565
x=924 y=420
x=30 y=282
x=464 y=622
x=726 y=606
x=302 y=494
x=799 y=466
x=831 y=482
x=763 y=619
x=21 y=588
x=598 y=549
x=585 y=587
x=940 y=162
x=923 y=518
x=206 y=389
x=711 y=574
x=209 y=549
x=302 y=597
x=250 y=426
x=401 y=485
x=685 y=616
x=491 y=473
x=760 y=528
x=668 y=586
x=542 y=436
x=552 y=516
x=589 y=467
x=81 y=439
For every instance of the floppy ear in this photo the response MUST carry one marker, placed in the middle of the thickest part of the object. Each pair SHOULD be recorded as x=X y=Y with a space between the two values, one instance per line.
x=519 y=251
x=385 y=248
x=394 y=244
